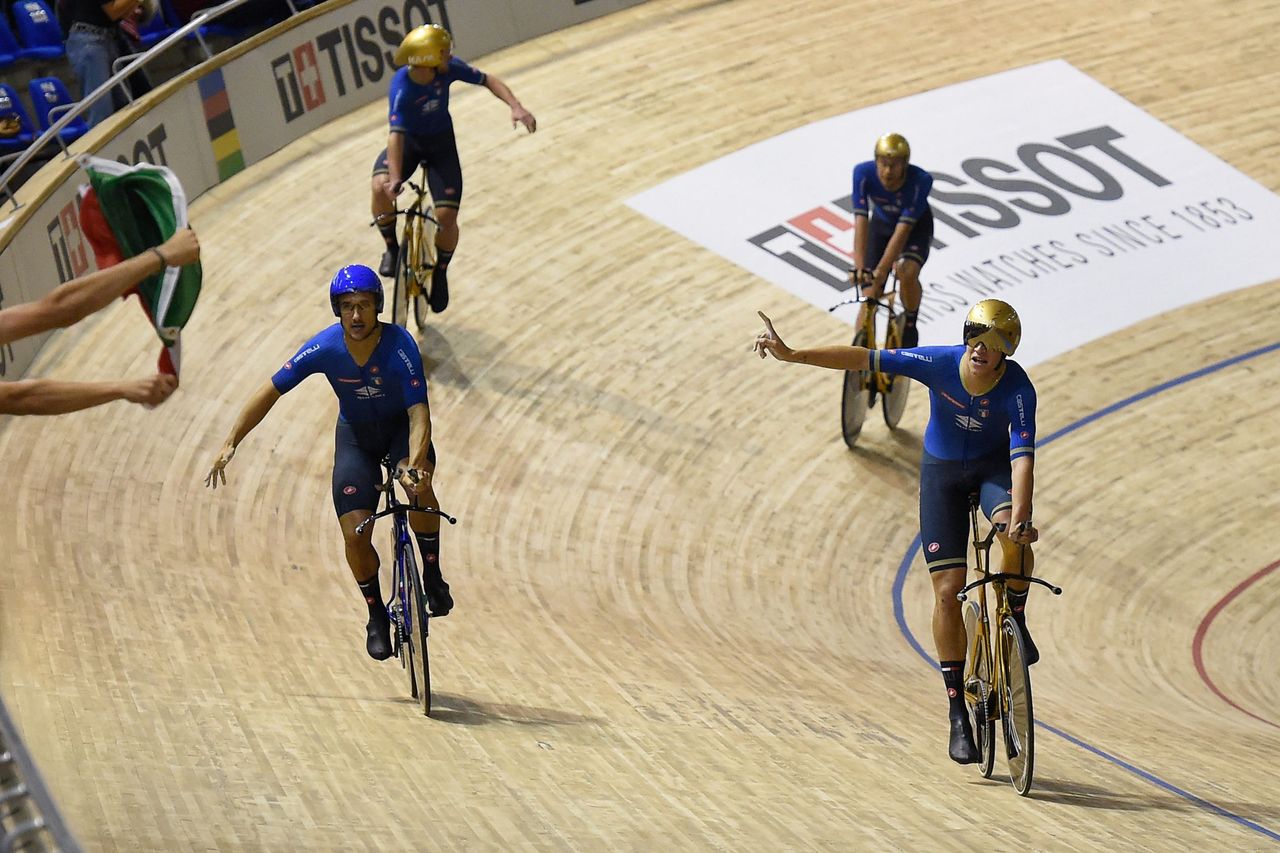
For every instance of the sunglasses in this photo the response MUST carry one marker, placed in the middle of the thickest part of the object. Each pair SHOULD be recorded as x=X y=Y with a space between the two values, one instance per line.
x=987 y=334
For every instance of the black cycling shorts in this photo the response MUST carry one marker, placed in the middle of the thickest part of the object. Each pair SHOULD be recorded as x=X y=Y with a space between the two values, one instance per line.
x=439 y=153
x=945 y=486
x=358 y=451
x=918 y=241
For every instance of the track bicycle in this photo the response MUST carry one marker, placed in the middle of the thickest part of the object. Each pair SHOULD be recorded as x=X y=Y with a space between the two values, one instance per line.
x=997 y=680
x=861 y=387
x=406 y=606
x=417 y=257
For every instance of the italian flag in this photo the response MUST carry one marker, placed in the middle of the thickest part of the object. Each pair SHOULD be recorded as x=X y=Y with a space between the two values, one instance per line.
x=124 y=211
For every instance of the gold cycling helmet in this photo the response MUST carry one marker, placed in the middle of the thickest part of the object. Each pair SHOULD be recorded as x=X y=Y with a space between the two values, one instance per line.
x=995 y=324
x=893 y=145
x=426 y=45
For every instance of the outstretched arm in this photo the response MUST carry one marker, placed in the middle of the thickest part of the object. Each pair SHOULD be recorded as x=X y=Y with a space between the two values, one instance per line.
x=70 y=303
x=519 y=115
x=55 y=397
x=250 y=416
x=834 y=357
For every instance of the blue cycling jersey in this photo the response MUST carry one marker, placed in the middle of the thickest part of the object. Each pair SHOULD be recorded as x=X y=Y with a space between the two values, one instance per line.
x=907 y=204
x=962 y=426
x=421 y=110
x=386 y=385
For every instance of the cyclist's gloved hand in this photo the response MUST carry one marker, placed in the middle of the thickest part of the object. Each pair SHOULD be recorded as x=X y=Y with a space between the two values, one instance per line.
x=1024 y=532
x=415 y=480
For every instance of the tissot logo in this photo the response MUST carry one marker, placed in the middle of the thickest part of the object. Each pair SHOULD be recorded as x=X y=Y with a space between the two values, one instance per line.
x=1091 y=165
x=70 y=249
x=348 y=57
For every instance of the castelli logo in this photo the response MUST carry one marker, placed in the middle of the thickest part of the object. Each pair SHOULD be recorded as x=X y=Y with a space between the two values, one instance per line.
x=349 y=490
x=933 y=547
x=1025 y=434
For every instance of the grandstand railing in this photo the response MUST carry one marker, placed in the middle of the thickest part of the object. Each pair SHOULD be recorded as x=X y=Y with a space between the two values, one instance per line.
x=137 y=62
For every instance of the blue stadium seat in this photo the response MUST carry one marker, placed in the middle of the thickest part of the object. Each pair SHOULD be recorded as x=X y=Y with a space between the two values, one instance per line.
x=38 y=30
x=11 y=107
x=9 y=50
x=47 y=93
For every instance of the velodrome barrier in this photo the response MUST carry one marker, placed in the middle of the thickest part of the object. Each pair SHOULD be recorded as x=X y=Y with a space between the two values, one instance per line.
x=238 y=107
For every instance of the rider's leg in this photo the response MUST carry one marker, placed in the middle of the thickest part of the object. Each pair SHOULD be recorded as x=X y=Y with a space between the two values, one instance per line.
x=383 y=210
x=909 y=281
x=426 y=529
x=943 y=530
x=1017 y=559
x=362 y=557
x=355 y=477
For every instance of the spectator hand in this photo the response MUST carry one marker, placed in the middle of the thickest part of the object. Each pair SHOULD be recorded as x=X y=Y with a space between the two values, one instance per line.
x=152 y=391
x=181 y=249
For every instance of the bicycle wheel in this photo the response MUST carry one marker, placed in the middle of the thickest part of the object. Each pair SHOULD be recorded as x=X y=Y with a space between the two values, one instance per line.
x=400 y=291
x=418 y=631
x=853 y=399
x=1019 y=721
x=425 y=241
x=977 y=691
x=894 y=401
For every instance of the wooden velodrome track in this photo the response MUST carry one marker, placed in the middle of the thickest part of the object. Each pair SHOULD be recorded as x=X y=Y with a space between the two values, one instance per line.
x=675 y=613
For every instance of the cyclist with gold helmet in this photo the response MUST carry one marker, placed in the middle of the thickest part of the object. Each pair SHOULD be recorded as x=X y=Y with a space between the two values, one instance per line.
x=980 y=438
x=892 y=225
x=422 y=133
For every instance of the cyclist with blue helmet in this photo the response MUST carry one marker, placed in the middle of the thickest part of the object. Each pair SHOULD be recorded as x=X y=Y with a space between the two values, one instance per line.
x=980 y=439
x=422 y=133
x=376 y=372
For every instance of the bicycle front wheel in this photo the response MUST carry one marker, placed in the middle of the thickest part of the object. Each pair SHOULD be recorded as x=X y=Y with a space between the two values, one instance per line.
x=977 y=689
x=424 y=262
x=894 y=401
x=1019 y=719
x=418 y=631
x=854 y=399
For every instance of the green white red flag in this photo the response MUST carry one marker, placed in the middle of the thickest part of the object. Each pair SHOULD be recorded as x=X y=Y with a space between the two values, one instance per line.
x=124 y=211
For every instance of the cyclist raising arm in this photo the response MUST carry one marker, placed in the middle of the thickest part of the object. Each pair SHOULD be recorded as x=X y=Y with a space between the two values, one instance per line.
x=980 y=438
x=375 y=369
x=892 y=225
x=422 y=132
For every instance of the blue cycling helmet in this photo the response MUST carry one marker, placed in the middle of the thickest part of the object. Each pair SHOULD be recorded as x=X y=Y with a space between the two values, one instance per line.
x=354 y=278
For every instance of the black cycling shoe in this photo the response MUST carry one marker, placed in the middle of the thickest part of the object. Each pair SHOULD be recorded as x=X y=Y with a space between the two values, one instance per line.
x=439 y=297
x=439 y=601
x=910 y=337
x=1033 y=654
x=962 y=749
x=378 y=641
x=387 y=269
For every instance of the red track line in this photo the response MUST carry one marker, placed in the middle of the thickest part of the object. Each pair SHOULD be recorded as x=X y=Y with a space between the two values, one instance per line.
x=1197 y=643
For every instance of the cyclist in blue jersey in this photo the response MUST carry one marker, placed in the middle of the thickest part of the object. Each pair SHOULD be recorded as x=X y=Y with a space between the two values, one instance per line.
x=376 y=372
x=980 y=438
x=422 y=132
x=892 y=226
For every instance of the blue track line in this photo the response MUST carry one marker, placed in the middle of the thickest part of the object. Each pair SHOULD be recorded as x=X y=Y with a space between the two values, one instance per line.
x=900 y=581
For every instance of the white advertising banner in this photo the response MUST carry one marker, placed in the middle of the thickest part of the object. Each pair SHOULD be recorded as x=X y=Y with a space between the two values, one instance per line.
x=1050 y=191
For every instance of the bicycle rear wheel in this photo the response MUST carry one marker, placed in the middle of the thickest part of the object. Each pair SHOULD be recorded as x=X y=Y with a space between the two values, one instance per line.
x=1019 y=721
x=854 y=398
x=419 y=659
x=403 y=284
x=894 y=401
x=977 y=691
